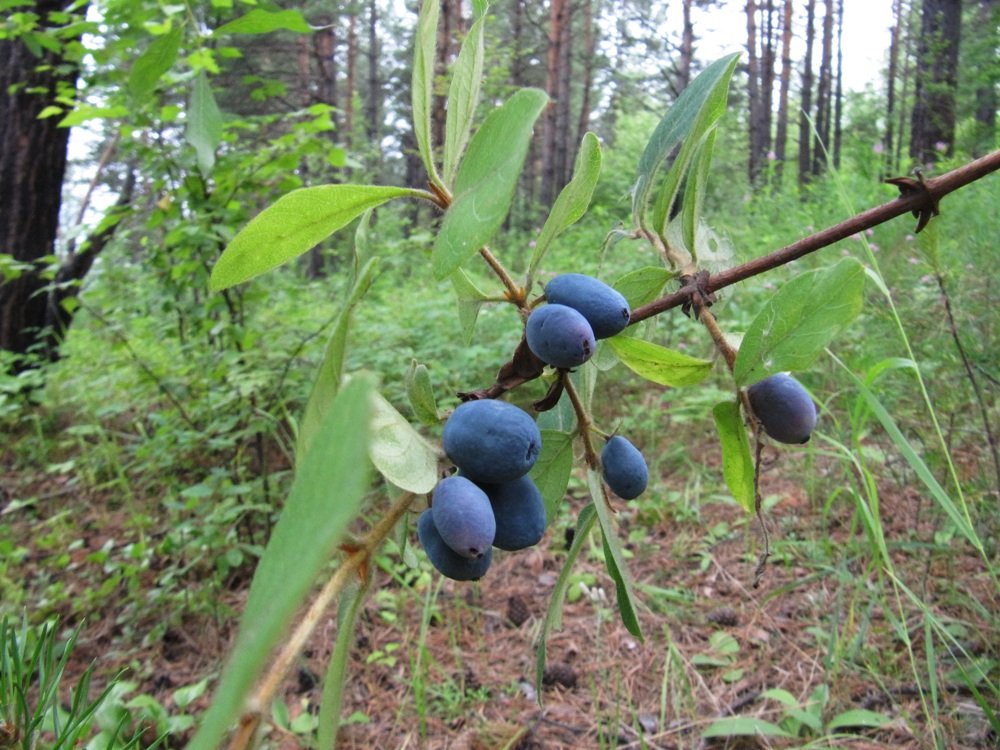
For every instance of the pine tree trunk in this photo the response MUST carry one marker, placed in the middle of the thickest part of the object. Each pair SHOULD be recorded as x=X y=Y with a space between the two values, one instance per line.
x=932 y=130
x=687 y=48
x=564 y=100
x=373 y=123
x=550 y=175
x=589 y=47
x=351 y=83
x=838 y=93
x=805 y=129
x=781 y=128
x=985 y=111
x=890 y=100
x=823 y=93
x=32 y=166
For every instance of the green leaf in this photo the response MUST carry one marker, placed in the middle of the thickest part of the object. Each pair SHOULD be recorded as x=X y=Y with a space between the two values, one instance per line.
x=487 y=177
x=794 y=326
x=463 y=97
x=327 y=381
x=659 y=364
x=703 y=101
x=336 y=670
x=421 y=393
x=858 y=717
x=553 y=615
x=330 y=483
x=644 y=284
x=399 y=452
x=84 y=112
x=259 y=21
x=694 y=192
x=573 y=199
x=613 y=557
x=422 y=82
x=552 y=469
x=204 y=123
x=737 y=463
x=158 y=58
x=470 y=299
x=744 y=726
x=293 y=224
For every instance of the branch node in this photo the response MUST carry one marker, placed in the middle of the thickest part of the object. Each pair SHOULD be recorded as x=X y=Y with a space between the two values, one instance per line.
x=909 y=187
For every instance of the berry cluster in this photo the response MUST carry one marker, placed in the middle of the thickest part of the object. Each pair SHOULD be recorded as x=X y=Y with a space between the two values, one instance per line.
x=491 y=502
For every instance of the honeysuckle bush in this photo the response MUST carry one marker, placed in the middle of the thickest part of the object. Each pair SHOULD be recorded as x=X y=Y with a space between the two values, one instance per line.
x=350 y=438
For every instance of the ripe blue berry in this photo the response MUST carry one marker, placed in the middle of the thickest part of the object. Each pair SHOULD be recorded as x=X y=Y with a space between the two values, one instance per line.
x=625 y=469
x=519 y=512
x=463 y=516
x=560 y=336
x=491 y=441
x=605 y=308
x=784 y=408
x=448 y=562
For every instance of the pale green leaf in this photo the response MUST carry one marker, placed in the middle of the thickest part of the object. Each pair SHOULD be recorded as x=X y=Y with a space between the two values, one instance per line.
x=84 y=112
x=157 y=59
x=326 y=494
x=858 y=717
x=802 y=317
x=420 y=392
x=336 y=670
x=399 y=452
x=706 y=92
x=573 y=199
x=694 y=192
x=422 y=82
x=463 y=97
x=659 y=364
x=644 y=284
x=552 y=469
x=292 y=225
x=204 y=123
x=743 y=726
x=737 y=463
x=326 y=384
x=260 y=21
x=487 y=178
x=613 y=557
x=470 y=299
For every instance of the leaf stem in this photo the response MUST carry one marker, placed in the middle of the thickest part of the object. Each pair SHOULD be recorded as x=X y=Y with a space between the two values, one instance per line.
x=584 y=422
x=515 y=293
x=355 y=560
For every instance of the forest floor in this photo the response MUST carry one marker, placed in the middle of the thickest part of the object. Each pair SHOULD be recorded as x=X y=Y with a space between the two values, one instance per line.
x=822 y=625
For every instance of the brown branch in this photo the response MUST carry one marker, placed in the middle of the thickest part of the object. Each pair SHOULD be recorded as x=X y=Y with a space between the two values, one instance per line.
x=914 y=200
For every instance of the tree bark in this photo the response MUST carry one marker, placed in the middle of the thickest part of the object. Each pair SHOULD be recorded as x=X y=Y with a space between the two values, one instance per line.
x=890 y=101
x=373 y=123
x=687 y=48
x=755 y=155
x=985 y=95
x=781 y=128
x=32 y=167
x=932 y=131
x=589 y=48
x=550 y=144
x=838 y=92
x=823 y=94
x=351 y=83
x=805 y=130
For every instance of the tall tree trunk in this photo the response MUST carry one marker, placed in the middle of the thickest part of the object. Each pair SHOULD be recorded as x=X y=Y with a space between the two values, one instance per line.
x=838 y=93
x=686 y=61
x=933 y=121
x=823 y=93
x=550 y=175
x=32 y=166
x=351 y=83
x=890 y=99
x=755 y=157
x=781 y=128
x=589 y=47
x=564 y=100
x=985 y=103
x=325 y=43
x=805 y=130
x=449 y=27
x=373 y=122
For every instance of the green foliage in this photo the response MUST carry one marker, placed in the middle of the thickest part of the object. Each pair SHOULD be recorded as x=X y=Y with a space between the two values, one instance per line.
x=737 y=463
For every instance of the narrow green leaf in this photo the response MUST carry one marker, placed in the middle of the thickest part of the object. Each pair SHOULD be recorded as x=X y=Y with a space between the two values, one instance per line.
x=659 y=364
x=420 y=392
x=858 y=717
x=737 y=463
x=470 y=299
x=463 y=98
x=487 y=177
x=743 y=726
x=399 y=452
x=327 y=382
x=552 y=470
x=553 y=615
x=158 y=58
x=678 y=123
x=293 y=224
x=259 y=21
x=422 y=83
x=613 y=557
x=794 y=326
x=336 y=670
x=573 y=200
x=84 y=112
x=694 y=192
x=204 y=123
x=644 y=284
x=330 y=483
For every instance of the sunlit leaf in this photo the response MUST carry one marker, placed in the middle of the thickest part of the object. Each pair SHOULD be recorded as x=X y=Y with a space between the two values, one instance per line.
x=799 y=320
x=259 y=21
x=737 y=463
x=463 y=96
x=204 y=123
x=422 y=82
x=157 y=59
x=743 y=726
x=292 y=225
x=659 y=364
x=330 y=483
x=420 y=392
x=487 y=177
